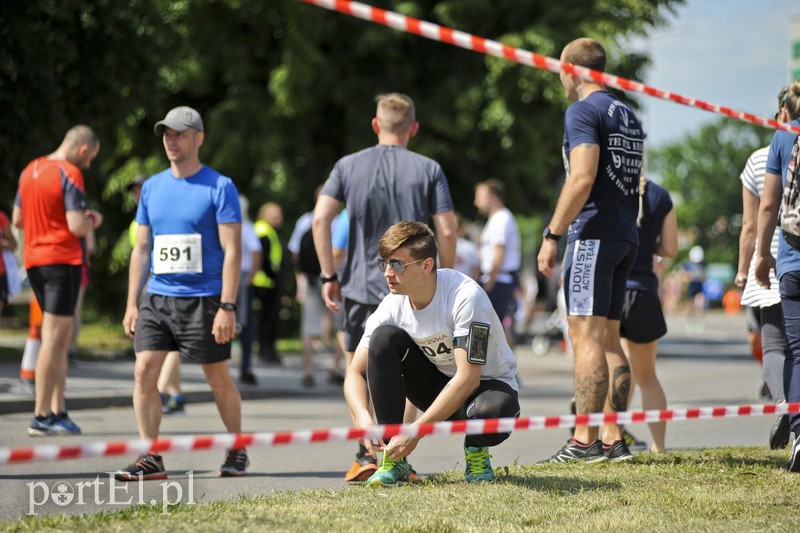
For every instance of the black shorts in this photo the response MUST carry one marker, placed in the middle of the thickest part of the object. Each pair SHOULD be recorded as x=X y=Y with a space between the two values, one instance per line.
x=502 y=297
x=169 y=323
x=4 y=288
x=355 y=319
x=56 y=287
x=595 y=276
x=642 y=319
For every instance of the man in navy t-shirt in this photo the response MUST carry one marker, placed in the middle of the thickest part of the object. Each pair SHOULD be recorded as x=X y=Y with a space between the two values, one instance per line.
x=189 y=238
x=598 y=205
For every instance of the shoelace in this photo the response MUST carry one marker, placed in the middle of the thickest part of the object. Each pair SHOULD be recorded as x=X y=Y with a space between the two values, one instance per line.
x=388 y=464
x=476 y=461
x=145 y=462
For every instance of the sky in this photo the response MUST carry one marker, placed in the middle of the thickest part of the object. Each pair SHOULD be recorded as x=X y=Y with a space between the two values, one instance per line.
x=733 y=53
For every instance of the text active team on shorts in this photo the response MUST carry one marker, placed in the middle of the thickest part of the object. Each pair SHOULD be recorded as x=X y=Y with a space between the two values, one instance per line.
x=178 y=275
x=443 y=320
x=597 y=210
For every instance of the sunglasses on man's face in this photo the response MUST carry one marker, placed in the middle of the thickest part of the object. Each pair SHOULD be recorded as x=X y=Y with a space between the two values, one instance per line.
x=397 y=266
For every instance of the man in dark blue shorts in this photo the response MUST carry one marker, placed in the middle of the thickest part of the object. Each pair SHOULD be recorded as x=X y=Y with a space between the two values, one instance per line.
x=598 y=205
x=193 y=249
x=381 y=186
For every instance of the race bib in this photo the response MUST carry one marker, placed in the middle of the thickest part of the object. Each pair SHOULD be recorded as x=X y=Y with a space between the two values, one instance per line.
x=178 y=253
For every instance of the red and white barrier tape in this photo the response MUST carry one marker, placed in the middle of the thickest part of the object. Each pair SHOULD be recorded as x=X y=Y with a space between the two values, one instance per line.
x=461 y=39
x=54 y=452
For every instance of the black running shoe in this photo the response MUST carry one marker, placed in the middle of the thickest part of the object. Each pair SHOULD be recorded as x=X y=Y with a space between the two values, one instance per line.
x=236 y=463
x=175 y=406
x=779 y=434
x=575 y=452
x=794 y=459
x=572 y=411
x=632 y=442
x=147 y=466
x=248 y=378
x=618 y=451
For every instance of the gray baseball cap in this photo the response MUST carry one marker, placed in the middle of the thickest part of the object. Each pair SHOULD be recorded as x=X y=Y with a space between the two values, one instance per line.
x=179 y=119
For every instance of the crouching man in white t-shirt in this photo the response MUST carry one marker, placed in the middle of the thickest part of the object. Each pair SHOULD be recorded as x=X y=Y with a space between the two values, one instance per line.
x=436 y=340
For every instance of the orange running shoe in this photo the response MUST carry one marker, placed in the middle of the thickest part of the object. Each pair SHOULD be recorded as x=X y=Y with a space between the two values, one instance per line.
x=363 y=467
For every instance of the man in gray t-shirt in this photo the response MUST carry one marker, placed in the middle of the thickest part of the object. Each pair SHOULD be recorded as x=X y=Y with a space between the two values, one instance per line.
x=381 y=186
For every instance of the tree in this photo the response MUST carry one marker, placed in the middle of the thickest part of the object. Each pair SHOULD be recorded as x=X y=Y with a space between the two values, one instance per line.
x=702 y=172
x=287 y=88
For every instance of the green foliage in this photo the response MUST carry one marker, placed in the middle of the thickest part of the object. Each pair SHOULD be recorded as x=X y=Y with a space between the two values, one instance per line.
x=702 y=173
x=287 y=88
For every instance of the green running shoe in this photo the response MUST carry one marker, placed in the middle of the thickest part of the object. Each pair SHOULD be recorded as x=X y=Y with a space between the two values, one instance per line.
x=391 y=473
x=479 y=468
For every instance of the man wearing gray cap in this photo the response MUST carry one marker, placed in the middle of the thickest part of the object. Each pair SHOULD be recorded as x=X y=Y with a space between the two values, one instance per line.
x=189 y=238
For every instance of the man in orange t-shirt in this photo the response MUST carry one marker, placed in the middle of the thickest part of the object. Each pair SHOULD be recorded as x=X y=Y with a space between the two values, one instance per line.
x=50 y=207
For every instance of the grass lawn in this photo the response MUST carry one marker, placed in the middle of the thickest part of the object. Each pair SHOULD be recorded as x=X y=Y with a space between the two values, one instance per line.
x=723 y=489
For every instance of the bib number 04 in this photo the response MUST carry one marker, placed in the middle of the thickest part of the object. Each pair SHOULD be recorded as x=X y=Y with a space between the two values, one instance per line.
x=178 y=254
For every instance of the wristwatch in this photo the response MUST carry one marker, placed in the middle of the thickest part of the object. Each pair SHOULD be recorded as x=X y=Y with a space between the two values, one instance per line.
x=547 y=234
x=227 y=306
x=324 y=280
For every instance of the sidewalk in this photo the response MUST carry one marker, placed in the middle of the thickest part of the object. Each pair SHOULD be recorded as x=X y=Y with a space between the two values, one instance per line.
x=109 y=383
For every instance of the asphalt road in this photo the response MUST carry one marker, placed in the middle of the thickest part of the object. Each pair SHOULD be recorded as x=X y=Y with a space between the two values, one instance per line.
x=697 y=368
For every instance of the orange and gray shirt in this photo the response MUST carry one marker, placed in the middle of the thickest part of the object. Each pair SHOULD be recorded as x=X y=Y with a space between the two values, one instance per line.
x=48 y=188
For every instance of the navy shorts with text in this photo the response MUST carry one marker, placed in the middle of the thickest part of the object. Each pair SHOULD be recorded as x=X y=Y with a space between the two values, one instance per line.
x=595 y=276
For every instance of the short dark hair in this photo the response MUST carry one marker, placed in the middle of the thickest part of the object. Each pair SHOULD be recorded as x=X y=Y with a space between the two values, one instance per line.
x=586 y=52
x=496 y=188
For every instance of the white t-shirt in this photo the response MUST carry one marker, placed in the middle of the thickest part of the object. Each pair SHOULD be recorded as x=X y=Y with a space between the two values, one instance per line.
x=302 y=225
x=459 y=301
x=752 y=178
x=250 y=243
x=466 y=257
x=501 y=229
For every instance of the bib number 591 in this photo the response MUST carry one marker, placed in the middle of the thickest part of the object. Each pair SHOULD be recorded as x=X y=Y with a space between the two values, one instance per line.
x=175 y=254
x=178 y=254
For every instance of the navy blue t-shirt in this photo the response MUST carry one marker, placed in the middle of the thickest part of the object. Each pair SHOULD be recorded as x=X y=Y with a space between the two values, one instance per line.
x=656 y=205
x=613 y=204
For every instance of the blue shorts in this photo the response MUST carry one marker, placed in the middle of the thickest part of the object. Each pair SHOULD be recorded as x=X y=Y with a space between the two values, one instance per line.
x=502 y=296
x=595 y=275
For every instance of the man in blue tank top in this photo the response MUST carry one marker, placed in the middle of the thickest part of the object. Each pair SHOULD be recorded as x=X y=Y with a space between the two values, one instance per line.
x=597 y=208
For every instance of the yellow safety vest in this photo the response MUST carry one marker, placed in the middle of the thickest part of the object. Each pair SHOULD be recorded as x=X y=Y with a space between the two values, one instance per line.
x=275 y=254
x=133 y=231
